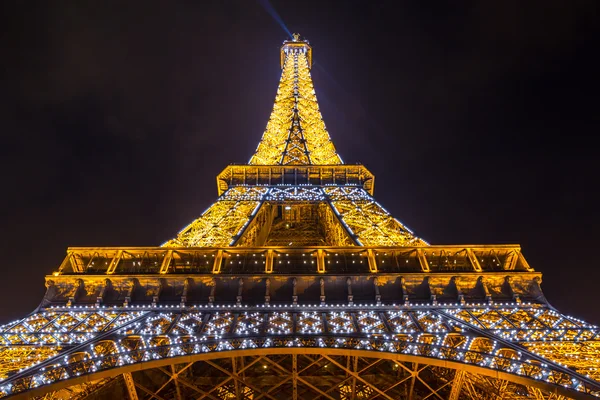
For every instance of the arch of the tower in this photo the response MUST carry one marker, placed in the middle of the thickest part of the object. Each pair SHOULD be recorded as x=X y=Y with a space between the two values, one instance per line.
x=291 y=372
x=335 y=366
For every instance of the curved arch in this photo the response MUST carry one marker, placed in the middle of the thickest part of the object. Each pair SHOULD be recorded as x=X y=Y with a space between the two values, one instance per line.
x=91 y=376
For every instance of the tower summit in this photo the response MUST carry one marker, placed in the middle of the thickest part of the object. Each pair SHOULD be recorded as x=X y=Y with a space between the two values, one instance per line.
x=295 y=133
x=296 y=284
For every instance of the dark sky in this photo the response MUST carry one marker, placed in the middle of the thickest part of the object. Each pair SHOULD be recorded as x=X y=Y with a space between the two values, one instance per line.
x=479 y=120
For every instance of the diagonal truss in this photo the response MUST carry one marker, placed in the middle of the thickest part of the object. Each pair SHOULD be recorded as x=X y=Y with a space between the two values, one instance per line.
x=367 y=222
x=222 y=221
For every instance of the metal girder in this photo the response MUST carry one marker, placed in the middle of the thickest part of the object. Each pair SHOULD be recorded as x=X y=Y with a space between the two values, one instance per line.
x=295 y=377
x=176 y=376
x=235 y=377
x=434 y=392
x=457 y=385
x=330 y=353
x=413 y=379
x=237 y=381
x=354 y=368
x=148 y=391
x=359 y=378
x=190 y=385
x=130 y=384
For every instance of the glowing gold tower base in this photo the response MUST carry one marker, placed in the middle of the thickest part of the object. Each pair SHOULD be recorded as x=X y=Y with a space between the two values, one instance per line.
x=297 y=284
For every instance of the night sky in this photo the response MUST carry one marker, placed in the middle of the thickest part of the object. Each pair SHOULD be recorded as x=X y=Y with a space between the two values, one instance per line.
x=479 y=121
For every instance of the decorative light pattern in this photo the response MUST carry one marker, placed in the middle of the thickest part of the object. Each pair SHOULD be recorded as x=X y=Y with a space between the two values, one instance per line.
x=218 y=324
x=340 y=322
x=249 y=323
x=309 y=322
x=280 y=323
x=297 y=193
x=370 y=322
x=452 y=332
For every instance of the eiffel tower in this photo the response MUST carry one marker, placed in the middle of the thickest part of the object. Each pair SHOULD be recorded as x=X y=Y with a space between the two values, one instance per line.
x=297 y=284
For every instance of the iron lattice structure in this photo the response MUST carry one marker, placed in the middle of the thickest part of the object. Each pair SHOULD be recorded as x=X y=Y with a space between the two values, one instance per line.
x=294 y=284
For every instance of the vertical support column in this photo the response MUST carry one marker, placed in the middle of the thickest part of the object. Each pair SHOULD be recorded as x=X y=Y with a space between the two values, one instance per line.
x=412 y=381
x=236 y=382
x=459 y=292
x=186 y=289
x=350 y=296
x=107 y=286
x=457 y=385
x=372 y=261
x=80 y=287
x=321 y=261
x=324 y=322
x=484 y=288
x=294 y=293
x=295 y=376
x=217 y=265
x=175 y=378
x=265 y=325
x=213 y=289
x=509 y=283
x=238 y=299
x=354 y=369
x=133 y=284
x=404 y=290
x=377 y=294
x=155 y=298
x=267 y=291
x=269 y=261
x=130 y=386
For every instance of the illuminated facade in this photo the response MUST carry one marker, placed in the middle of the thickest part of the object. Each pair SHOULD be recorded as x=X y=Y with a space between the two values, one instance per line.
x=297 y=284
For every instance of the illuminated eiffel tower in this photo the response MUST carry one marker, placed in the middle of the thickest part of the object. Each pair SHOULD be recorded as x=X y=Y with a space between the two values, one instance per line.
x=297 y=284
